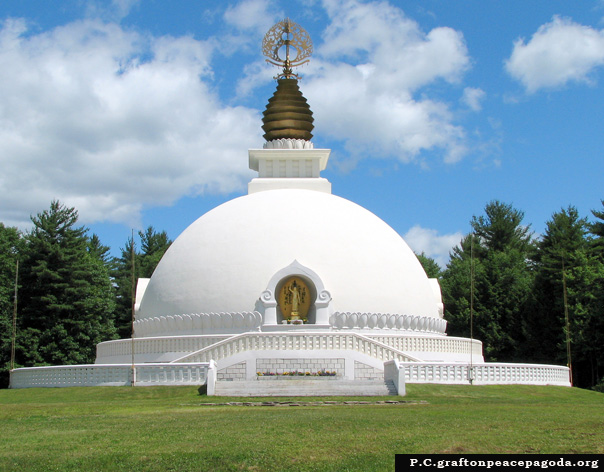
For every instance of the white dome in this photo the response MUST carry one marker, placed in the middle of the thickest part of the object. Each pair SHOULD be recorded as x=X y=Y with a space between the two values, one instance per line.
x=224 y=260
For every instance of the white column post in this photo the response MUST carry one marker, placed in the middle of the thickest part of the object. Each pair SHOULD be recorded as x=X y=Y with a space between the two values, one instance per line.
x=348 y=368
x=395 y=371
x=270 y=307
x=211 y=378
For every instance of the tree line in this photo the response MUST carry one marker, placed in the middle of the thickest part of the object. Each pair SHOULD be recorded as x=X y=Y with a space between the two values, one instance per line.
x=71 y=293
x=529 y=299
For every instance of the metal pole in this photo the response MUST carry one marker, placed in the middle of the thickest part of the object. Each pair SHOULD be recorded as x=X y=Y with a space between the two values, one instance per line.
x=471 y=373
x=133 y=295
x=567 y=323
x=14 y=338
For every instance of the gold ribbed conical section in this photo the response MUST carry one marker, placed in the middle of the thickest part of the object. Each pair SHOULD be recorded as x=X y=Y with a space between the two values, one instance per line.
x=287 y=114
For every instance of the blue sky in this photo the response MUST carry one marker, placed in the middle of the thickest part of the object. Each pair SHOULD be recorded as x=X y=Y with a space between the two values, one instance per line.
x=141 y=113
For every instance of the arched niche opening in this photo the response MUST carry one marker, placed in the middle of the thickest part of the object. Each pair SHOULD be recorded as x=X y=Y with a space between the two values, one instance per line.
x=318 y=299
x=296 y=296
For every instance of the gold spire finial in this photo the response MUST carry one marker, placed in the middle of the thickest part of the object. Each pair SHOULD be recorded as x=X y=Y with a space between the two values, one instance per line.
x=292 y=36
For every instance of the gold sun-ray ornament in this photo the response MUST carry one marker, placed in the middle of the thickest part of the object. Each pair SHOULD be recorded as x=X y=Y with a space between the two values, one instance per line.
x=289 y=35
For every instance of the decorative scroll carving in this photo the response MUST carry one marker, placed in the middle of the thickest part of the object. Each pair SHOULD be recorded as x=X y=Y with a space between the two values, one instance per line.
x=267 y=296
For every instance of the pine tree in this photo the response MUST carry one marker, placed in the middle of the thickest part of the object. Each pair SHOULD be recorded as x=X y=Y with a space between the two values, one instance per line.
x=562 y=315
x=597 y=289
x=123 y=279
x=501 y=229
x=11 y=244
x=430 y=266
x=67 y=299
x=491 y=263
x=100 y=251
x=456 y=283
x=153 y=245
x=597 y=230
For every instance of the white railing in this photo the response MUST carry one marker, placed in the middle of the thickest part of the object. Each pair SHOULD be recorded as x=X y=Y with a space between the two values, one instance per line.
x=198 y=323
x=162 y=374
x=96 y=375
x=431 y=344
x=200 y=373
x=388 y=321
x=486 y=374
x=250 y=321
x=123 y=347
x=297 y=342
x=190 y=344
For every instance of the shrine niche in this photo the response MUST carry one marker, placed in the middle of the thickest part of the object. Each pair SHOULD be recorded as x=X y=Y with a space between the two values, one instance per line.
x=294 y=300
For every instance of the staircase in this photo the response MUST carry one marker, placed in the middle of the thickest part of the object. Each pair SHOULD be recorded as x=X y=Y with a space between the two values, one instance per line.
x=301 y=387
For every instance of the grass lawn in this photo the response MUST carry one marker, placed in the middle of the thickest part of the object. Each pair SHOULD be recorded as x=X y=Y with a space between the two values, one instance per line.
x=168 y=428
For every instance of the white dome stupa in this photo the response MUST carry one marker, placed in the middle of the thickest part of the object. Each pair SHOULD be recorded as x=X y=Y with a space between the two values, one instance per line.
x=226 y=259
x=289 y=279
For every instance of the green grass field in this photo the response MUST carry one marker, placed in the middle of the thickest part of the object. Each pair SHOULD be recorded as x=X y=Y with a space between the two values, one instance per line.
x=168 y=428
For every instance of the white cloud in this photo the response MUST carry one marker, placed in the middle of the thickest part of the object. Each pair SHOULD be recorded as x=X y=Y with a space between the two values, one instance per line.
x=116 y=10
x=473 y=98
x=257 y=74
x=110 y=121
x=257 y=15
x=123 y=7
x=559 y=52
x=401 y=55
x=249 y=20
x=431 y=243
x=363 y=81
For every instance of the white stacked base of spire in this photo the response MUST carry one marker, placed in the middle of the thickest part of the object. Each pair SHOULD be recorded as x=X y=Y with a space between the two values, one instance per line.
x=288 y=143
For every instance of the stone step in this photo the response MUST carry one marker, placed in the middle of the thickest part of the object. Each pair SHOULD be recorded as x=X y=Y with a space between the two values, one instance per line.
x=304 y=388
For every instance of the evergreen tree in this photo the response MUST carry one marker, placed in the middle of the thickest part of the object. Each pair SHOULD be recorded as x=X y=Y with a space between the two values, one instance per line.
x=494 y=263
x=11 y=244
x=501 y=229
x=123 y=280
x=153 y=245
x=67 y=298
x=430 y=266
x=597 y=289
x=100 y=251
x=565 y=272
x=597 y=230
x=457 y=284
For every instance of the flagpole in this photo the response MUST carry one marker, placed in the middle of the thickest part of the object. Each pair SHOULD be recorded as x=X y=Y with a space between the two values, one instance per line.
x=471 y=372
x=569 y=362
x=14 y=338
x=133 y=295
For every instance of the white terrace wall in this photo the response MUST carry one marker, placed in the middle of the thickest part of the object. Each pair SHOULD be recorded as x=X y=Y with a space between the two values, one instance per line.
x=205 y=373
x=486 y=374
x=91 y=375
x=429 y=348
x=152 y=349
